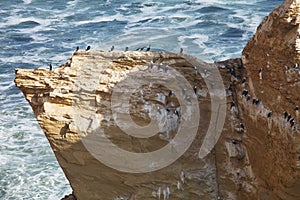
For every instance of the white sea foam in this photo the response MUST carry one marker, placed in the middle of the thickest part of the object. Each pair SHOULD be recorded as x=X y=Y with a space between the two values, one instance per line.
x=27 y=1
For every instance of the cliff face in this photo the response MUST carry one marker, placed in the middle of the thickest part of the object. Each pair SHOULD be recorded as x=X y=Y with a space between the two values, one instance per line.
x=271 y=60
x=83 y=108
x=77 y=105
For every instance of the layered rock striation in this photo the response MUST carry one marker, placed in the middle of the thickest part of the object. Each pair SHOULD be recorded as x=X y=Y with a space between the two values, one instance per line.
x=102 y=99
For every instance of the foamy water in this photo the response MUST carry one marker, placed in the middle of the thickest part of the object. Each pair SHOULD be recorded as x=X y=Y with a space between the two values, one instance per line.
x=35 y=33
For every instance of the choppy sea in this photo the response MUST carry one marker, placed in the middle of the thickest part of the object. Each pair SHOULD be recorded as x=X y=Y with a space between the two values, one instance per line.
x=35 y=33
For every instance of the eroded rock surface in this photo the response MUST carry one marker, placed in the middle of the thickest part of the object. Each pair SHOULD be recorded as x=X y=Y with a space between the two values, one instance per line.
x=255 y=156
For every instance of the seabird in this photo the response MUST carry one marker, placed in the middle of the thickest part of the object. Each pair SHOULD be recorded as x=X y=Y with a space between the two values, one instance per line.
x=232 y=72
x=148 y=49
x=50 y=67
x=242 y=126
x=112 y=48
x=205 y=72
x=176 y=112
x=168 y=110
x=260 y=73
x=195 y=89
x=248 y=98
x=255 y=101
x=292 y=123
x=269 y=114
x=297 y=110
x=296 y=66
x=245 y=92
x=126 y=49
x=77 y=48
x=181 y=50
x=244 y=80
x=289 y=117
x=286 y=69
x=232 y=104
x=88 y=48
x=171 y=93
x=285 y=114
x=234 y=141
x=196 y=70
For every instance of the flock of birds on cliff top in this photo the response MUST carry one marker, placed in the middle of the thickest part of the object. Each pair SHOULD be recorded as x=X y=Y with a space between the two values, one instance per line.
x=145 y=48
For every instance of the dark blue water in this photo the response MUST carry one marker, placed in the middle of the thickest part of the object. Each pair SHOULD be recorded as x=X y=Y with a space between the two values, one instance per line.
x=34 y=33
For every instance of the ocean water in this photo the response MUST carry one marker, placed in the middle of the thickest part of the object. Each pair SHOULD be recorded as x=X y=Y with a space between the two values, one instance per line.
x=35 y=33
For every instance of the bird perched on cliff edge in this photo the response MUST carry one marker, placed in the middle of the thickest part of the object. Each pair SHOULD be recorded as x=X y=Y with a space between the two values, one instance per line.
x=112 y=48
x=50 y=67
x=126 y=49
x=77 y=48
x=88 y=48
x=181 y=50
x=148 y=48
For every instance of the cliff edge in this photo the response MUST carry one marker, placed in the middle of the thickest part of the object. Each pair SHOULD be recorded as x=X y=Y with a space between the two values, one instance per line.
x=99 y=109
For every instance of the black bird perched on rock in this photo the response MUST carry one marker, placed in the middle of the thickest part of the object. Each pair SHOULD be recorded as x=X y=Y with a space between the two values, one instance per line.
x=234 y=141
x=248 y=98
x=244 y=80
x=176 y=112
x=148 y=49
x=181 y=50
x=269 y=114
x=126 y=49
x=112 y=48
x=255 y=101
x=242 y=126
x=245 y=92
x=292 y=123
x=77 y=48
x=88 y=48
x=50 y=67
x=289 y=117
x=195 y=89
x=285 y=114
x=232 y=104
x=171 y=93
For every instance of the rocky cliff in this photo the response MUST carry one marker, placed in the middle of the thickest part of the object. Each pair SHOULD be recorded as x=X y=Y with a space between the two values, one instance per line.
x=143 y=125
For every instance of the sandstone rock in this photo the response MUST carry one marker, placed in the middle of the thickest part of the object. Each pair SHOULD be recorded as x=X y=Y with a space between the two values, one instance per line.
x=85 y=101
x=76 y=106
